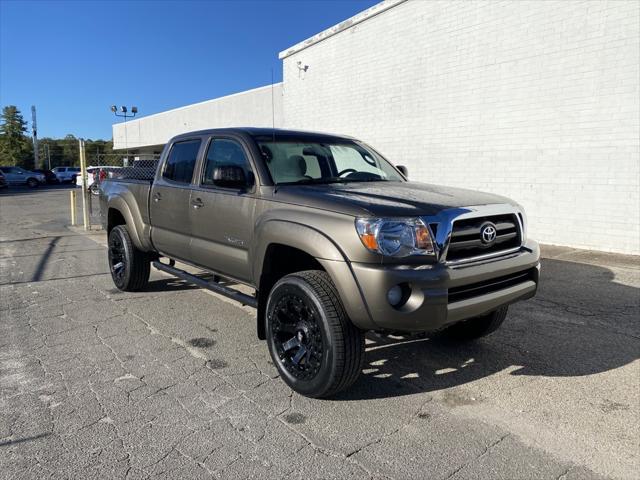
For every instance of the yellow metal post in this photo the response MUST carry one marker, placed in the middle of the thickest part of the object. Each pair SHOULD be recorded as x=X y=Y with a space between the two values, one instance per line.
x=85 y=190
x=72 y=200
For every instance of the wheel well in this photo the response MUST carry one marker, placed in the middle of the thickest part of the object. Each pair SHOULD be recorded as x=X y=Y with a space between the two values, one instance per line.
x=114 y=218
x=279 y=260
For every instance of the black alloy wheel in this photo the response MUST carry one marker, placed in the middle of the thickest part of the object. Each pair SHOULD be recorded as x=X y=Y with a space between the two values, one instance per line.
x=314 y=345
x=130 y=268
x=117 y=259
x=297 y=335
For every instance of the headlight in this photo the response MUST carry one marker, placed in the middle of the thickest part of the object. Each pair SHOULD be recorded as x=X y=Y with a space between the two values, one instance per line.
x=395 y=237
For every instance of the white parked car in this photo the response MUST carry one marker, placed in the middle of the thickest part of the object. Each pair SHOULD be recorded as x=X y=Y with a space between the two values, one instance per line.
x=20 y=176
x=66 y=174
x=92 y=174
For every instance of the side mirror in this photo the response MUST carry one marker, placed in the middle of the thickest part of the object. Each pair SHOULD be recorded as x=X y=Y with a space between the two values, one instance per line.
x=403 y=170
x=231 y=176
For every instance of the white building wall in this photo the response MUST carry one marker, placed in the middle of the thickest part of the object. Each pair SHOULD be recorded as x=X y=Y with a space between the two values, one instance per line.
x=536 y=100
x=251 y=108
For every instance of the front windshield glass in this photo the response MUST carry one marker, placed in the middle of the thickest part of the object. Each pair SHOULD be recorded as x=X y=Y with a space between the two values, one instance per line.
x=296 y=161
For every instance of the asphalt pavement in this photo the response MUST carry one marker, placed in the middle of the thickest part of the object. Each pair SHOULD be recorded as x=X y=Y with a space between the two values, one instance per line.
x=173 y=382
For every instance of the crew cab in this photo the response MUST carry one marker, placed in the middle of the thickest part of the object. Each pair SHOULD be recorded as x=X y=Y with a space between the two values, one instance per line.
x=333 y=239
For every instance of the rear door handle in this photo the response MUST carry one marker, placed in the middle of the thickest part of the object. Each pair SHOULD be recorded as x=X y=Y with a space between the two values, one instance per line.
x=157 y=197
x=197 y=203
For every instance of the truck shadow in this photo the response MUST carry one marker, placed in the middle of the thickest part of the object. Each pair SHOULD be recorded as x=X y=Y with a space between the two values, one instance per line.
x=582 y=322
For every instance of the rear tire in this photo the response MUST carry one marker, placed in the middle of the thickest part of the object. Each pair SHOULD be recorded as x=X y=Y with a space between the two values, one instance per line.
x=476 y=327
x=312 y=342
x=130 y=267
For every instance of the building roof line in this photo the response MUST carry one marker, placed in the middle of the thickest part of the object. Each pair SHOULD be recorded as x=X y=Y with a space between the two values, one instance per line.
x=212 y=100
x=344 y=25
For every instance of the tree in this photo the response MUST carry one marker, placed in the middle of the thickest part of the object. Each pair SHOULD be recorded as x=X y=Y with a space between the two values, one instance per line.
x=15 y=146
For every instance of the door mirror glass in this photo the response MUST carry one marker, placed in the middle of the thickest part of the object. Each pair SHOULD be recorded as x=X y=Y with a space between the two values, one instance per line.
x=230 y=176
x=403 y=170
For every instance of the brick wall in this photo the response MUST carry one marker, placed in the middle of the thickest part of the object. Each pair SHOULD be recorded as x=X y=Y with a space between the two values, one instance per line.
x=537 y=100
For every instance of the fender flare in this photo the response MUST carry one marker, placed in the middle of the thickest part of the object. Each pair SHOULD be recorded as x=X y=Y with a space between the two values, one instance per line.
x=296 y=235
x=122 y=207
x=326 y=252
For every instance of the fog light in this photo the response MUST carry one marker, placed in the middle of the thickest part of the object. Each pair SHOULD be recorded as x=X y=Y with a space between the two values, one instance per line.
x=394 y=295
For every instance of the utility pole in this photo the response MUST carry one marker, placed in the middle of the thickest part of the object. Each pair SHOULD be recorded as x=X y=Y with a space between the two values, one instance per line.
x=34 y=129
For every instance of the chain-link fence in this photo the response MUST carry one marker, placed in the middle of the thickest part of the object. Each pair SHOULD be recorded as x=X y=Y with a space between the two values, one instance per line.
x=100 y=167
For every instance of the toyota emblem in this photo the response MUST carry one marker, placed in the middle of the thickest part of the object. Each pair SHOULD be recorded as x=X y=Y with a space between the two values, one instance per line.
x=488 y=233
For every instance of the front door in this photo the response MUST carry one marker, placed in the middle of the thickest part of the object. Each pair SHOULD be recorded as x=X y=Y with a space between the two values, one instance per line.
x=222 y=217
x=169 y=203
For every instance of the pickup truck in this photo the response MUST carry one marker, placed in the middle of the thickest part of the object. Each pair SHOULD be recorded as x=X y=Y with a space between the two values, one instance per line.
x=333 y=239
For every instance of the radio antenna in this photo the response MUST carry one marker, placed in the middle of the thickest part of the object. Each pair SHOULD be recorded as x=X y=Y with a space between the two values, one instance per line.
x=273 y=112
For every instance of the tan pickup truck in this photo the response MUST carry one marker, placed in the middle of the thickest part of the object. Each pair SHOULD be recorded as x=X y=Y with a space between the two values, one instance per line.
x=334 y=240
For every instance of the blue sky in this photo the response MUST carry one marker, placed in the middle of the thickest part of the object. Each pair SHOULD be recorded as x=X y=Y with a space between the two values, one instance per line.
x=74 y=59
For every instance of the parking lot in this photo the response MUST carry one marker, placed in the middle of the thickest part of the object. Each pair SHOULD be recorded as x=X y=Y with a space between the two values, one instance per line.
x=172 y=381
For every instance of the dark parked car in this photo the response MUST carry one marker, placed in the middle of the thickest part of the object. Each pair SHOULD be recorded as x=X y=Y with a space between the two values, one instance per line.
x=49 y=176
x=3 y=181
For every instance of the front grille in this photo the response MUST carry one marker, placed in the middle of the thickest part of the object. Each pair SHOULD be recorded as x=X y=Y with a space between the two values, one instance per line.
x=466 y=238
x=492 y=285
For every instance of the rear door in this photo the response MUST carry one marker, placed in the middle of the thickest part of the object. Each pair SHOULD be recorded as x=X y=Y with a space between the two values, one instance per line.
x=170 y=197
x=222 y=218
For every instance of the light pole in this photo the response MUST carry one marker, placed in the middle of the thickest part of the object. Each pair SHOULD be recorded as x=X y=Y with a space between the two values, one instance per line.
x=123 y=113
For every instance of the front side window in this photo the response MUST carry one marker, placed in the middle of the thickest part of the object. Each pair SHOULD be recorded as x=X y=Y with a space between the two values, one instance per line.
x=224 y=153
x=181 y=161
x=296 y=161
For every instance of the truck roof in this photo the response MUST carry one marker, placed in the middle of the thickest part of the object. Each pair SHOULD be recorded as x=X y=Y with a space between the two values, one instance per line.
x=263 y=131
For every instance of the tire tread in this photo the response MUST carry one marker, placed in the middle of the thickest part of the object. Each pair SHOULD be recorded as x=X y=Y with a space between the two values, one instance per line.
x=140 y=267
x=350 y=351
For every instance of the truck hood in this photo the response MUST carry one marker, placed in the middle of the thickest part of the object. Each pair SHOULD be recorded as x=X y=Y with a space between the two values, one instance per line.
x=385 y=199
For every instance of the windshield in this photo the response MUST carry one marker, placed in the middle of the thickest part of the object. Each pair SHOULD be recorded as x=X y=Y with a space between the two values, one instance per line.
x=297 y=161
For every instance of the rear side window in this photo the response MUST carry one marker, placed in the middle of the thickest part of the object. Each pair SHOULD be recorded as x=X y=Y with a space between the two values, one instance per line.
x=181 y=161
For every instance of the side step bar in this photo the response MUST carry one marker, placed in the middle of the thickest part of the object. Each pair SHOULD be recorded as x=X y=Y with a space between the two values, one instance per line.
x=213 y=286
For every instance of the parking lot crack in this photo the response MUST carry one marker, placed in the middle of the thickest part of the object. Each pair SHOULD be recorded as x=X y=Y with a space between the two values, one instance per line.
x=478 y=457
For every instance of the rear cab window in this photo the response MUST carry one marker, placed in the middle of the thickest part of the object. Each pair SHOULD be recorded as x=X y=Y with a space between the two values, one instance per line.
x=181 y=161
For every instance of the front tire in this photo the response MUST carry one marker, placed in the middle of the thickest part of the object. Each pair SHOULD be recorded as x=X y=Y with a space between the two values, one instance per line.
x=130 y=267
x=476 y=327
x=32 y=183
x=312 y=342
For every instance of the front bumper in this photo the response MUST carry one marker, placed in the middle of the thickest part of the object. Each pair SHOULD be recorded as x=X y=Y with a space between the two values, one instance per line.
x=442 y=294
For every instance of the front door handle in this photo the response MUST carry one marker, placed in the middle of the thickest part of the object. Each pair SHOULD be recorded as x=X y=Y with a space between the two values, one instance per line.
x=157 y=197
x=197 y=203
